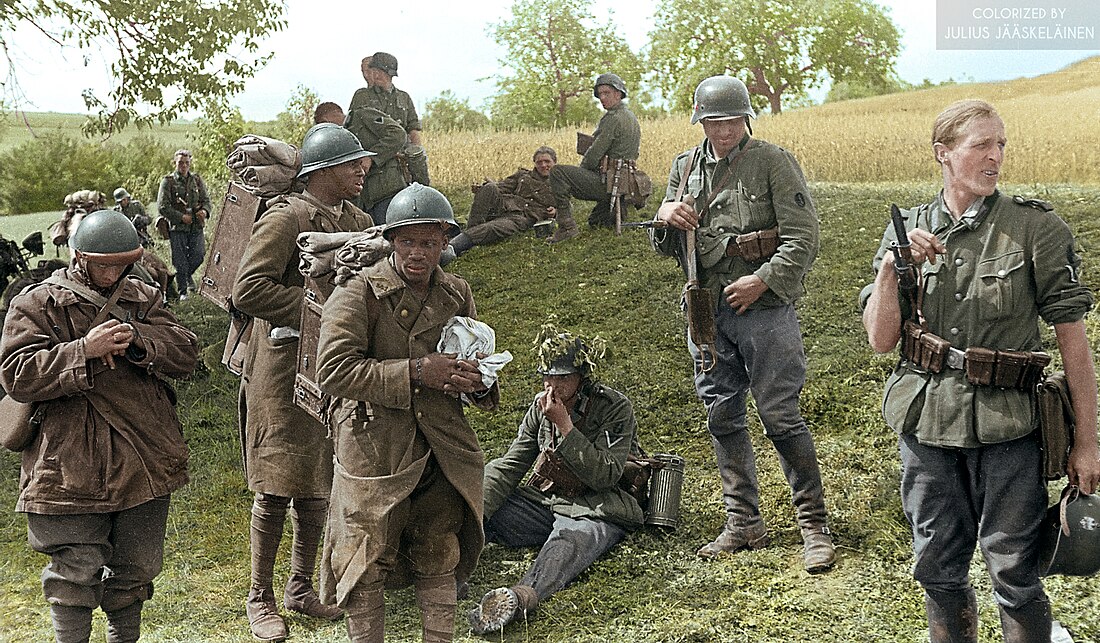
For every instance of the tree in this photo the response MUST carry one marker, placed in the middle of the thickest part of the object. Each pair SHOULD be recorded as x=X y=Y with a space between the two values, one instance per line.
x=555 y=56
x=292 y=123
x=447 y=113
x=780 y=49
x=167 y=57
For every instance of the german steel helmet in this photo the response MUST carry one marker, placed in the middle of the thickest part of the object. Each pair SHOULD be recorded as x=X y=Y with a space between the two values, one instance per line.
x=721 y=97
x=328 y=144
x=611 y=80
x=107 y=237
x=1070 y=536
x=121 y=194
x=385 y=62
x=419 y=204
x=561 y=358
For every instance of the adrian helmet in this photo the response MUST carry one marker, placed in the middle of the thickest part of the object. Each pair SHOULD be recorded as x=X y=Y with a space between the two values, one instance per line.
x=418 y=204
x=327 y=145
x=107 y=237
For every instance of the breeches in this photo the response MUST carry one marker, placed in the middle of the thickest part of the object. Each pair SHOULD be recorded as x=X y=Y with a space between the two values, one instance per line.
x=107 y=560
x=992 y=495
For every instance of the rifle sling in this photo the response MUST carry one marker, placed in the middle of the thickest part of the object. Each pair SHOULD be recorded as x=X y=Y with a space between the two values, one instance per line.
x=107 y=306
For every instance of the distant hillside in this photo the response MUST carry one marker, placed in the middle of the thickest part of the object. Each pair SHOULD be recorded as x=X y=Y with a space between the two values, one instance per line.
x=18 y=127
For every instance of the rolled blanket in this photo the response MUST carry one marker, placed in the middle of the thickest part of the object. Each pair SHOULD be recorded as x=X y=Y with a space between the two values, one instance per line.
x=268 y=180
x=466 y=338
x=266 y=166
x=345 y=252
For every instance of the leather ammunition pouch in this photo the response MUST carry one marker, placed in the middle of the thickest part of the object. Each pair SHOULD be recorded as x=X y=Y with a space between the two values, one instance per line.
x=633 y=185
x=1056 y=423
x=754 y=246
x=551 y=475
x=1020 y=370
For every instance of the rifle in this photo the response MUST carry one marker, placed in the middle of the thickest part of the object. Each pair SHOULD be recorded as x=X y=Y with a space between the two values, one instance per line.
x=699 y=304
x=903 y=261
x=655 y=225
x=616 y=201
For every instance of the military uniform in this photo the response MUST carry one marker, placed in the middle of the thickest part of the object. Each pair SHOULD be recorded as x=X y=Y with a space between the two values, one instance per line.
x=572 y=532
x=407 y=495
x=761 y=349
x=970 y=455
x=135 y=211
x=95 y=482
x=398 y=105
x=179 y=195
x=617 y=136
x=382 y=135
x=509 y=206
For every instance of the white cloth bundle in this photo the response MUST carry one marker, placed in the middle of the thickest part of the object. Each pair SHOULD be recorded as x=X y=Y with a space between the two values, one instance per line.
x=466 y=338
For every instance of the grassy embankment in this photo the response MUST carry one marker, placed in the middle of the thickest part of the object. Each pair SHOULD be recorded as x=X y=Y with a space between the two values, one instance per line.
x=653 y=588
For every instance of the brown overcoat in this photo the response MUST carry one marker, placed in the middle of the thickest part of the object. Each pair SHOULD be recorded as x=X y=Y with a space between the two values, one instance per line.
x=370 y=328
x=286 y=452
x=109 y=438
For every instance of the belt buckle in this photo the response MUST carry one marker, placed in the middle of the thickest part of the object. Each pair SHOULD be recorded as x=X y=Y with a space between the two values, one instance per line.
x=956 y=359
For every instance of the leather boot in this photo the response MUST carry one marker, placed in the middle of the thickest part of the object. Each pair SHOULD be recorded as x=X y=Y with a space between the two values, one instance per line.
x=1028 y=624
x=268 y=518
x=308 y=516
x=953 y=616
x=567 y=227
x=744 y=527
x=124 y=625
x=436 y=597
x=71 y=623
x=366 y=616
x=461 y=244
x=798 y=459
x=501 y=606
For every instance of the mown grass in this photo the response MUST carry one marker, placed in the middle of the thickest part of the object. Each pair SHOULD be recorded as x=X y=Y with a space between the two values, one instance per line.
x=652 y=587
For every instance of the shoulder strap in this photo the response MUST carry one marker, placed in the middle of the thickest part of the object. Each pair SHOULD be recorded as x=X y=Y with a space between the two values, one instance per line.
x=107 y=306
x=683 y=175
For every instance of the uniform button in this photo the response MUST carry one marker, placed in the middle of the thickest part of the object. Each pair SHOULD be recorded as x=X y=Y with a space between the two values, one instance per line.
x=718 y=207
x=416 y=390
x=404 y=312
x=1001 y=273
x=958 y=296
x=752 y=197
x=959 y=261
x=721 y=229
x=954 y=331
x=419 y=414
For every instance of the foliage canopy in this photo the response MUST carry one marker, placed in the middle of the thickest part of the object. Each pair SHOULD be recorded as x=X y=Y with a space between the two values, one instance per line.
x=167 y=57
x=447 y=113
x=780 y=49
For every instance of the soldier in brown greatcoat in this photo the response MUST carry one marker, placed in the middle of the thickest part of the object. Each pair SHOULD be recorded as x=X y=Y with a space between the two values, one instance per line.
x=287 y=454
x=406 y=496
x=96 y=480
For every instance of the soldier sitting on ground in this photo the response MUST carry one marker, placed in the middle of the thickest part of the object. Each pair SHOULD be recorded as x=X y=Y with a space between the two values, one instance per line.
x=510 y=206
x=576 y=437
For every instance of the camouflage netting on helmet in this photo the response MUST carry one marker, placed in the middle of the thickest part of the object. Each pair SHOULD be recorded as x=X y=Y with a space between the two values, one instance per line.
x=552 y=344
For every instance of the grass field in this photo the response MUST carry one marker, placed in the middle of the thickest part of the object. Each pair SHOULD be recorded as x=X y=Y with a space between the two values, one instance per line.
x=862 y=156
x=18 y=127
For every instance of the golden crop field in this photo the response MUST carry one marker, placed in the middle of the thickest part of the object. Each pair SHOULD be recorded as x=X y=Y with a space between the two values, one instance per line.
x=1053 y=124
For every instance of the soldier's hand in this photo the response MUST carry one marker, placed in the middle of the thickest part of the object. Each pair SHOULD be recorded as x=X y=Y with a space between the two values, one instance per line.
x=554 y=409
x=1083 y=468
x=925 y=246
x=679 y=215
x=744 y=292
x=185 y=219
x=107 y=340
x=442 y=371
x=201 y=214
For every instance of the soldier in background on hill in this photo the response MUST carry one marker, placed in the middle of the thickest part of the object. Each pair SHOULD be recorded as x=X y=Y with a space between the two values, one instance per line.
x=755 y=237
x=512 y=205
x=989 y=267
x=184 y=202
x=380 y=93
x=618 y=137
x=133 y=209
x=288 y=454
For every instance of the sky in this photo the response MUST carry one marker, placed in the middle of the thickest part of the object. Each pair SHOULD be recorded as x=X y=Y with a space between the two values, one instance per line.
x=445 y=44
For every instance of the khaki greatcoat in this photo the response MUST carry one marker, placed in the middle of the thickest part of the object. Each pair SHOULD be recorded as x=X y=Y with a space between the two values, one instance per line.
x=286 y=452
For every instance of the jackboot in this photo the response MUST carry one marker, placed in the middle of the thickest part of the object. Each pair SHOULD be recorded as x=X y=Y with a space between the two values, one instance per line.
x=567 y=227
x=798 y=459
x=124 y=625
x=308 y=516
x=1028 y=624
x=71 y=623
x=366 y=616
x=266 y=530
x=437 y=599
x=601 y=215
x=953 y=616
x=744 y=526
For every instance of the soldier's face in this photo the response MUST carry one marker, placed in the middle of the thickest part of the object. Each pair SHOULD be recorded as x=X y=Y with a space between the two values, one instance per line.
x=724 y=135
x=348 y=177
x=543 y=165
x=367 y=75
x=102 y=275
x=609 y=96
x=183 y=164
x=972 y=166
x=565 y=387
x=416 y=251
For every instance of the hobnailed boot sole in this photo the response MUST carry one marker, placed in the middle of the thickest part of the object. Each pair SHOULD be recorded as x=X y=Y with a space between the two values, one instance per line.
x=497 y=608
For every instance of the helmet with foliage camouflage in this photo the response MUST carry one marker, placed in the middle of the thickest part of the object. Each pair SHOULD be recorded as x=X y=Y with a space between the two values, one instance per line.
x=419 y=204
x=121 y=194
x=563 y=353
x=107 y=237
x=721 y=98
x=385 y=62
x=1070 y=536
x=327 y=145
x=611 y=80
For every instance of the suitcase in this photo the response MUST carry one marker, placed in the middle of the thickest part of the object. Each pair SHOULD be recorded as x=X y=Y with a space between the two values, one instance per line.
x=307 y=395
x=238 y=214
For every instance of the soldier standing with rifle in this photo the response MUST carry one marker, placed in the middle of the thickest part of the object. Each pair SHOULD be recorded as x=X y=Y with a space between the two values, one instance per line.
x=962 y=396
x=618 y=137
x=182 y=199
x=755 y=236
x=288 y=454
